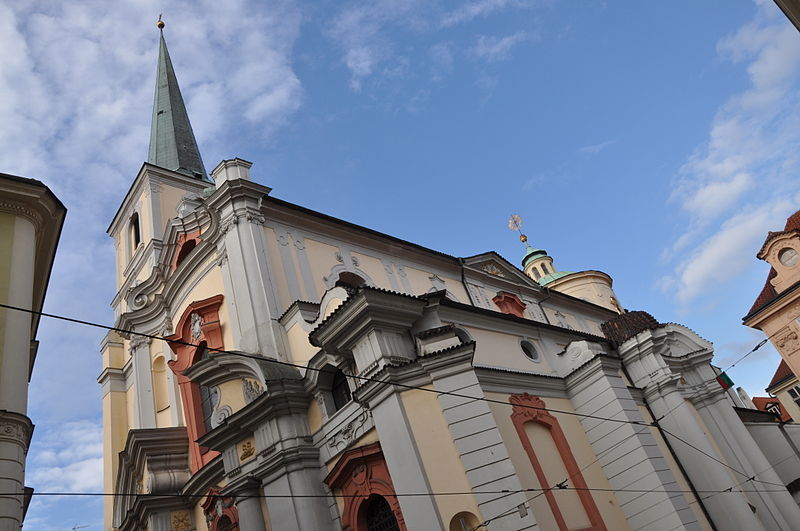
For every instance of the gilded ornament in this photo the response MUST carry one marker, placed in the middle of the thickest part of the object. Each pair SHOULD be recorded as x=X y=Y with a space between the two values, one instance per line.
x=248 y=449
x=181 y=521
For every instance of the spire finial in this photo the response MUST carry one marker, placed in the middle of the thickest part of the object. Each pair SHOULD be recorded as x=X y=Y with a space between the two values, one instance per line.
x=515 y=223
x=160 y=24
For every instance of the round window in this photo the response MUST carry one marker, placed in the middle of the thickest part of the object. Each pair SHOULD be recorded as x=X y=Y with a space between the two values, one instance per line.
x=789 y=257
x=529 y=350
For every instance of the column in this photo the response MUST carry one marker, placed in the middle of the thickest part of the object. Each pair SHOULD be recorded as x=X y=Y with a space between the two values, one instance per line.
x=628 y=453
x=729 y=510
x=405 y=466
x=248 y=503
x=776 y=510
x=144 y=405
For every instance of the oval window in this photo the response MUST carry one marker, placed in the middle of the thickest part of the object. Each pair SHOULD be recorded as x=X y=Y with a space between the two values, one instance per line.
x=529 y=350
x=789 y=257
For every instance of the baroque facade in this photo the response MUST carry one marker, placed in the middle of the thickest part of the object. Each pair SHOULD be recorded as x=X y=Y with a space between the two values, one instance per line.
x=283 y=369
x=31 y=218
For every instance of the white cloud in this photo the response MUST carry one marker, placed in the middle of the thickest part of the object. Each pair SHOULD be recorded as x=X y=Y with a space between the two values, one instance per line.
x=478 y=8
x=67 y=458
x=441 y=54
x=722 y=256
x=492 y=49
x=76 y=93
x=360 y=30
x=734 y=188
x=593 y=149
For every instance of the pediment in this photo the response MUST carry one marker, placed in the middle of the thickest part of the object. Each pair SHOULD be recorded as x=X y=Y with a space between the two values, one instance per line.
x=496 y=266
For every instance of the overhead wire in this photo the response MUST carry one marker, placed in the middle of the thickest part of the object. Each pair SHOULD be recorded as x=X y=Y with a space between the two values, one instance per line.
x=365 y=378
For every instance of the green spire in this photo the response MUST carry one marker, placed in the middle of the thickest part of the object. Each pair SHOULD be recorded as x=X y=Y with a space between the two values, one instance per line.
x=172 y=143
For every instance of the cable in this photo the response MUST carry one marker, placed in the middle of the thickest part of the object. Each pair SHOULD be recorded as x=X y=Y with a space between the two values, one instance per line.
x=394 y=495
x=363 y=378
x=304 y=367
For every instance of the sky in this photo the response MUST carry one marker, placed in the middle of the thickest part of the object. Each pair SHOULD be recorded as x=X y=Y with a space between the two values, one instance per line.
x=655 y=141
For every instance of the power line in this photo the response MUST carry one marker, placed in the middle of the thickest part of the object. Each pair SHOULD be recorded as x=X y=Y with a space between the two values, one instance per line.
x=366 y=495
x=365 y=378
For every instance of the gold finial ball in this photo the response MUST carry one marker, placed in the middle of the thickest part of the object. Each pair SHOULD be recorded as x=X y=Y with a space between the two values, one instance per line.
x=523 y=238
x=160 y=24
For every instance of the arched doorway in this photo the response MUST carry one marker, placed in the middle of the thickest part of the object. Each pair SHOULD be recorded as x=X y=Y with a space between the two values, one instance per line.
x=377 y=515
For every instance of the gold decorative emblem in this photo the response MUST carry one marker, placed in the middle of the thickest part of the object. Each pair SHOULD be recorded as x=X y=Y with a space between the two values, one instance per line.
x=248 y=449
x=493 y=270
x=181 y=521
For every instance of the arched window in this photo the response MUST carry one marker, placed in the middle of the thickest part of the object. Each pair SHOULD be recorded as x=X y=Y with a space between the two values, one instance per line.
x=350 y=281
x=208 y=395
x=187 y=247
x=536 y=274
x=224 y=524
x=135 y=233
x=340 y=390
x=544 y=269
x=378 y=515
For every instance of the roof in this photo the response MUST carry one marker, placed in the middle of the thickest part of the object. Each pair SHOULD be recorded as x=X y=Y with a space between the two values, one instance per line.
x=768 y=293
x=552 y=277
x=172 y=142
x=761 y=403
x=782 y=373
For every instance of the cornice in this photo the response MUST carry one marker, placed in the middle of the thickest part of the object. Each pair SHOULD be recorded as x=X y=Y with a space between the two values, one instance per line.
x=15 y=428
x=498 y=380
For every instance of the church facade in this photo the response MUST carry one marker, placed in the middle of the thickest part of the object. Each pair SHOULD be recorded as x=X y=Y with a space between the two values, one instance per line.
x=281 y=369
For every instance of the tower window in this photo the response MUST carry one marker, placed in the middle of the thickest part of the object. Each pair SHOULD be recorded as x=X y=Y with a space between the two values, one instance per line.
x=340 y=390
x=544 y=269
x=136 y=237
x=536 y=274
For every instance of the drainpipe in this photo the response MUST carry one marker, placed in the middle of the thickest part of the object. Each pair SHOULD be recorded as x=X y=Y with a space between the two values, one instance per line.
x=464 y=282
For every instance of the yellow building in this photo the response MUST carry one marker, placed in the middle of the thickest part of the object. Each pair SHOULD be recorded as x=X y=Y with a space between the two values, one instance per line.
x=31 y=218
x=282 y=369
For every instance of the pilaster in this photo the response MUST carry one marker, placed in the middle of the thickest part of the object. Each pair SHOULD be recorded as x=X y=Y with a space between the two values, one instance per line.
x=627 y=450
x=15 y=436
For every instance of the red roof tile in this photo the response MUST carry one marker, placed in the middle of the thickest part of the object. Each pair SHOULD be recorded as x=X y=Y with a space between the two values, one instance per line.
x=767 y=293
x=761 y=403
x=793 y=222
x=782 y=373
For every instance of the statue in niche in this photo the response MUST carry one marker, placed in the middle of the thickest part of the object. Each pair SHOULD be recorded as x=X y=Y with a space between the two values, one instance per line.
x=196 y=326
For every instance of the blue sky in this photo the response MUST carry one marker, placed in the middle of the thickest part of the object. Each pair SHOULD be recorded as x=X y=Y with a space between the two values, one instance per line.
x=656 y=141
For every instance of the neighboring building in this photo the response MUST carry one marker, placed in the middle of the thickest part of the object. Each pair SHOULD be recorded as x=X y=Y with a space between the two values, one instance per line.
x=31 y=218
x=790 y=8
x=365 y=377
x=785 y=388
x=777 y=308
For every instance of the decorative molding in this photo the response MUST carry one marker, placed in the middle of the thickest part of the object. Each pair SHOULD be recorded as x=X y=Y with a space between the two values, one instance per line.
x=787 y=341
x=359 y=473
x=527 y=408
x=349 y=432
x=20 y=209
x=248 y=450
x=251 y=390
x=181 y=521
x=16 y=428
x=493 y=270
x=220 y=415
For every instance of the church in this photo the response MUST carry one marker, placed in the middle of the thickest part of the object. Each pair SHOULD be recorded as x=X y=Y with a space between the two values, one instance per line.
x=280 y=369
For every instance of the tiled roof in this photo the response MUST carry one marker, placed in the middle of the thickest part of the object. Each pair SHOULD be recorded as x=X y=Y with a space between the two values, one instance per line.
x=626 y=325
x=767 y=293
x=781 y=374
x=761 y=403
